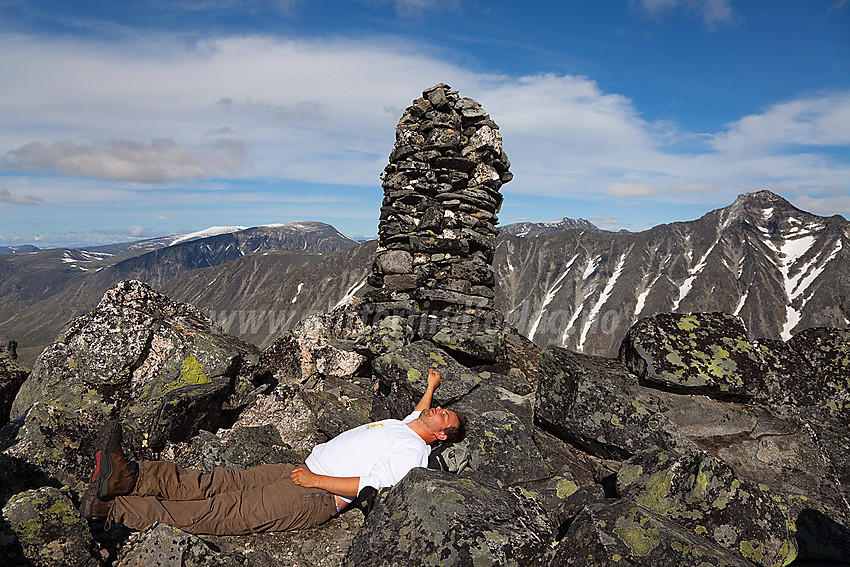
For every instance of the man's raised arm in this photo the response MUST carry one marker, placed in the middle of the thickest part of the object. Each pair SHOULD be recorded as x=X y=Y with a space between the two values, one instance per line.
x=433 y=382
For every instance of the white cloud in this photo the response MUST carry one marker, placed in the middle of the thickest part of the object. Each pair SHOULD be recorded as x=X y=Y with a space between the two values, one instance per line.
x=812 y=121
x=693 y=187
x=827 y=206
x=324 y=112
x=610 y=222
x=417 y=8
x=150 y=161
x=6 y=196
x=630 y=190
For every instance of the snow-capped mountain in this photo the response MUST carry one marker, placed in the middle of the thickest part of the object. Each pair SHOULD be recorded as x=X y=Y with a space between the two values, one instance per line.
x=777 y=267
x=534 y=229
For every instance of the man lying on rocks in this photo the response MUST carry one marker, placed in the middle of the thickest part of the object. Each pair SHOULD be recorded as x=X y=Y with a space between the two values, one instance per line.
x=268 y=497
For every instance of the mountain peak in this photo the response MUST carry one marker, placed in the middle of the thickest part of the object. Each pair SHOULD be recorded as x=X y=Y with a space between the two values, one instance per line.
x=764 y=199
x=761 y=208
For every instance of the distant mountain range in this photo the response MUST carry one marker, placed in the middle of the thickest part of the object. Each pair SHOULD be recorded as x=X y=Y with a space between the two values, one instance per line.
x=18 y=249
x=777 y=267
x=41 y=291
x=565 y=282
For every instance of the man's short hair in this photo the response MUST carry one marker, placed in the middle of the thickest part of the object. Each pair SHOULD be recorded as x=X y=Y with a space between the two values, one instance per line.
x=456 y=434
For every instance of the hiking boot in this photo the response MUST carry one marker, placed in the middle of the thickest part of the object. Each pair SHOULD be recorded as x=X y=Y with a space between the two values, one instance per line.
x=93 y=508
x=114 y=475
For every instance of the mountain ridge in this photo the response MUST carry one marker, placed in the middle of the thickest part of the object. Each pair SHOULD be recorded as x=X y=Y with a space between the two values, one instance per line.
x=776 y=266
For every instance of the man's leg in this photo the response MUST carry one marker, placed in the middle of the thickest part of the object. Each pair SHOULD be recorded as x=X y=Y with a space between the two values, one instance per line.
x=167 y=481
x=274 y=507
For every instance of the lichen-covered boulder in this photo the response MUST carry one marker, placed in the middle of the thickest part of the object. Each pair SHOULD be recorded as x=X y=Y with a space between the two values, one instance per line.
x=435 y=518
x=403 y=376
x=129 y=357
x=699 y=353
x=484 y=347
x=49 y=529
x=827 y=352
x=390 y=333
x=164 y=546
x=623 y=533
x=553 y=490
x=288 y=411
x=502 y=447
x=12 y=376
x=523 y=361
x=595 y=404
x=322 y=344
x=53 y=441
x=703 y=494
x=237 y=448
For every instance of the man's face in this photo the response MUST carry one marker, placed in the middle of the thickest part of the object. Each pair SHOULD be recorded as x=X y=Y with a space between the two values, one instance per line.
x=438 y=419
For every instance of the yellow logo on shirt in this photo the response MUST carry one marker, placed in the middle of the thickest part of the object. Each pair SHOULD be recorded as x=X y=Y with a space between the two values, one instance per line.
x=376 y=425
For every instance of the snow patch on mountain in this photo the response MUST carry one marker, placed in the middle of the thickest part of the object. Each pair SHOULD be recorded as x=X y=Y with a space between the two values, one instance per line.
x=211 y=231
x=550 y=295
x=603 y=297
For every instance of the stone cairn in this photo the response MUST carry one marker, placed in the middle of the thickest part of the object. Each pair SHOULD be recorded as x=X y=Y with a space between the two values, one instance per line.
x=437 y=231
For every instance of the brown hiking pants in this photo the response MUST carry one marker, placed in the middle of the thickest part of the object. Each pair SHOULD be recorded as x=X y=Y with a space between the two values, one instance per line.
x=223 y=502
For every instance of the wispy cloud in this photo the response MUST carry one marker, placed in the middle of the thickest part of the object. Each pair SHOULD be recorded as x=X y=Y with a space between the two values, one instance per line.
x=147 y=161
x=812 y=121
x=418 y=8
x=714 y=13
x=27 y=200
x=630 y=190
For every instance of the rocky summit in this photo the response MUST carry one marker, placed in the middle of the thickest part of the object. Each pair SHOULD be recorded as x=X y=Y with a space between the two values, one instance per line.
x=694 y=445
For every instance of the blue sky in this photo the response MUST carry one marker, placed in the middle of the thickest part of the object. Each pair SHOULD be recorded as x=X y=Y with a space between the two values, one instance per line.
x=124 y=120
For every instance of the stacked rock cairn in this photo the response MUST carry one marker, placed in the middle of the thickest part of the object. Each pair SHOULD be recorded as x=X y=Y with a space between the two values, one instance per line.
x=437 y=231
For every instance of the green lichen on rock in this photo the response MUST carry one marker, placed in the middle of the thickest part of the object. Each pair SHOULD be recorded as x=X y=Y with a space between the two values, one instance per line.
x=704 y=495
x=192 y=373
x=625 y=533
x=433 y=518
x=49 y=529
x=700 y=352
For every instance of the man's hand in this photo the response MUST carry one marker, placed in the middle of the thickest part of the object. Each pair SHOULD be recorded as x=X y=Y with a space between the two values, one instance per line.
x=344 y=486
x=433 y=379
x=433 y=382
x=302 y=476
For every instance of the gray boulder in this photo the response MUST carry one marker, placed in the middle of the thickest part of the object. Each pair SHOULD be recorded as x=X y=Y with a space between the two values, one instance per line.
x=403 y=376
x=595 y=404
x=164 y=546
x=12 y=376
x=703 y=494
x=49 y=529
x=319 y=345
x=53 y=441
x=484 y=347
x=699 y=353
x=435 y=518
x=623 y=533
x=503 y=448
x=133 y=355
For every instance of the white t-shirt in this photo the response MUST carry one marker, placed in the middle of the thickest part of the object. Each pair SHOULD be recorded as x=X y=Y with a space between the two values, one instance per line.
x=380 y=453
